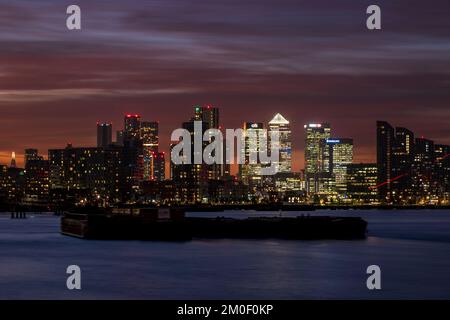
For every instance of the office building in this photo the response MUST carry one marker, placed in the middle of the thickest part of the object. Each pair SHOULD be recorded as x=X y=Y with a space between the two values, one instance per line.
x=317 y=168
x=340 y=151
x=281 y=125
x=250 y=170
x=362 y=180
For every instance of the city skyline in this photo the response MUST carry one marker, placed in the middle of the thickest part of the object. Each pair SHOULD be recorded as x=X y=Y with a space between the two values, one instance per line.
x=409 y=169
x=164 y=57
x=298 y=157
x=361 y=156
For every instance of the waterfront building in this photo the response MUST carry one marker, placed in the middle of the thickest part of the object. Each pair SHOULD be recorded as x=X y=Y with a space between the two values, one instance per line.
x=442 y=172
x=385 y=145
x=402 y=159
x=423 y=171
x=36 y=176
x=12 y=184
x=362 y=180
x=89 y=175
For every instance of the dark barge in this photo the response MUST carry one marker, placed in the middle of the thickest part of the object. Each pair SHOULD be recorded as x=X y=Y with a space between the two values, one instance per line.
x=172 y=225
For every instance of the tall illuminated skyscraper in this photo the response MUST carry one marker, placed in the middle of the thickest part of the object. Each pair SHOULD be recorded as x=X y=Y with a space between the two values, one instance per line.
x=209 y=115
x=341 y=156
x=104 y=135
x=316 y=157
x=150 y=144
x=150 y=135
x=251 y=172
x=280 y=124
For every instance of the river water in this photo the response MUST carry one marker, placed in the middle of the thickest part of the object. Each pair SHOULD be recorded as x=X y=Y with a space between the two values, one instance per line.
x=412 y=249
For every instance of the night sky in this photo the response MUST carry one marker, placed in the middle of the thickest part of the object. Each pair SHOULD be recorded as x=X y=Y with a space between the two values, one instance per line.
x=312 y=61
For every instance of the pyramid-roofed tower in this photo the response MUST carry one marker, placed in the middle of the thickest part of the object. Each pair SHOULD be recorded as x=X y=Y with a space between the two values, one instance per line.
x=279 y=119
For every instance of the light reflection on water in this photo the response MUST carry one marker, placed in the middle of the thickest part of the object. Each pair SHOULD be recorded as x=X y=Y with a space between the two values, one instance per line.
x=411 y=247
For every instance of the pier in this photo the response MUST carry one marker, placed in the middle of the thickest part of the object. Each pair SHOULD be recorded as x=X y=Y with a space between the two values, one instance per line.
x=18 y=215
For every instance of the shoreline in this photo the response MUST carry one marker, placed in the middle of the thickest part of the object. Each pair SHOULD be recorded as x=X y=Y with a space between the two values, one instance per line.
x=259 y=208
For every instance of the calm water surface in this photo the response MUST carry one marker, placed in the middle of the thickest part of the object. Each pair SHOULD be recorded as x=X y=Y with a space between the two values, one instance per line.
x=412 y=248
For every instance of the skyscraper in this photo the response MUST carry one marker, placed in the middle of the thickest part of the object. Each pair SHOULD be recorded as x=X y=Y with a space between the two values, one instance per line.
x=150 y=135
x=281 y=125
x=317 y=171
x=150 y=143
x=208 y=114
x=423 y=170
x=191 y=179
x=132 y=126
x=251 y=172
x=395 y=156
x=341 y=156
x=385 y=144
x=104 y=135
x=133 y=151
x=442 y=172
x=402 y=159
